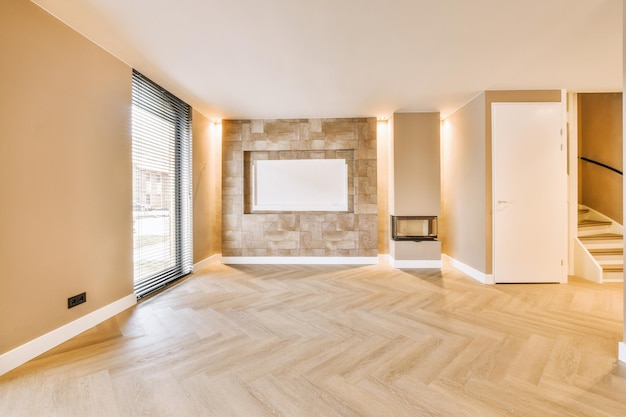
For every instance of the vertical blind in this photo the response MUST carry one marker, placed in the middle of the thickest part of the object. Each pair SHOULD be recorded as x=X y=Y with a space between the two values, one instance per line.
x=161 y=147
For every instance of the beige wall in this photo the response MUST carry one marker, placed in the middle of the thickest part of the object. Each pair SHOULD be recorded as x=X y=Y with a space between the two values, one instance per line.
x=347 y=234
x=416 y=164
x=416 y=178
x=600 y=139
x=207 y=188
x=465 y=130
x=464 y=186
x=65 y=174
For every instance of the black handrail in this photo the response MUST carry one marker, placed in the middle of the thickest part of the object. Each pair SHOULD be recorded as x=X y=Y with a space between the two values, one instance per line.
x=602 y=165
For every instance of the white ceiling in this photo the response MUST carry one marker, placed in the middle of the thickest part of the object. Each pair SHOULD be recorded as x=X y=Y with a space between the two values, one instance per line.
x=347 y=58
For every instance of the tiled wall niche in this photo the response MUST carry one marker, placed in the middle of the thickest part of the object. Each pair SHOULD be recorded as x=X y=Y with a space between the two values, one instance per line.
x=250 y=156
x=303 y=234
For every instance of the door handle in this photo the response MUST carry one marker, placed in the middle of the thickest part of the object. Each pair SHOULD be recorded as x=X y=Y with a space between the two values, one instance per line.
x=504 y=202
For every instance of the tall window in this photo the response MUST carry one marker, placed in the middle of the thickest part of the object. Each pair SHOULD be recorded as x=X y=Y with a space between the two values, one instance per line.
x=161 y=125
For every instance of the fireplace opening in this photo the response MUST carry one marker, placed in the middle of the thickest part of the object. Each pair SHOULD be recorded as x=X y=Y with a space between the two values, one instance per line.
x=414 y=228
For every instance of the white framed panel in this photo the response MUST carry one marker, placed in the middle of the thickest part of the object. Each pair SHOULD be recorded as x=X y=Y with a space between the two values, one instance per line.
x=300 y=185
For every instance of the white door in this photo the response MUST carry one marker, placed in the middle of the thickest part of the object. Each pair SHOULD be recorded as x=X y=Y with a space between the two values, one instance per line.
x=529 y=193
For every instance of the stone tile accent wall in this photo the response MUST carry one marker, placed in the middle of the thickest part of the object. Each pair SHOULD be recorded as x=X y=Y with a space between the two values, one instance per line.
x=344 y=234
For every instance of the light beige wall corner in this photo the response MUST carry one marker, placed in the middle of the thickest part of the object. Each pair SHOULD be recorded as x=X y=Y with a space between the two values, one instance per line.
x=207 y=187
x=65 y=174
x=464 y=186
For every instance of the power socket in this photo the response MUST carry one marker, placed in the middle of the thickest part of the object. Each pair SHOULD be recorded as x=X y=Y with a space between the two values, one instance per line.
x=76 y=300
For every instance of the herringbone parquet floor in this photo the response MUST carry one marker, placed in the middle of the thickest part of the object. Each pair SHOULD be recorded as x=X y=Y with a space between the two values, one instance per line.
x=338 y=341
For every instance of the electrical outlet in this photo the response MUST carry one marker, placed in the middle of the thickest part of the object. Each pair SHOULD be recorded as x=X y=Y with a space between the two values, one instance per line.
x=76 y=300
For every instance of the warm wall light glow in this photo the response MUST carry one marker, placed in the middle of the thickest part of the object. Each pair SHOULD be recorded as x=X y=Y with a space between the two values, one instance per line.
x=383 y=149
x=446 y=127
x=216 y=129
x=382 y=130
x=446 y=135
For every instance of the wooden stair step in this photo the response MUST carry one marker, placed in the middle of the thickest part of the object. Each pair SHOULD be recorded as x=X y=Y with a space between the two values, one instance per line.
x=593 y=223
x=602 y=236
x=612 y=268
x=606 y=251
x=583 y=210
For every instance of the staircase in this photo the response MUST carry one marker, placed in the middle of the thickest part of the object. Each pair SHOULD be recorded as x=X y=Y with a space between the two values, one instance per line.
x=599 y=251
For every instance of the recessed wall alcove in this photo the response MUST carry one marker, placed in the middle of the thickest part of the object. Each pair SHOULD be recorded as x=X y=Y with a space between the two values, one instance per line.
x=249 y=233
x=330 y=179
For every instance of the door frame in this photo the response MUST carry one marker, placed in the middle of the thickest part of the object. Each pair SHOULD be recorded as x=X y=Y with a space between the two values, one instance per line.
x=570 y=127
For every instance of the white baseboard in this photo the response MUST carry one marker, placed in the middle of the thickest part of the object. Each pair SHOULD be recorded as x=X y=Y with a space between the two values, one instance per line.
x=473 y=273
x=299 y=260
x=622 y=352
x=417 y=264
x=30 y=350
x=211 y=260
